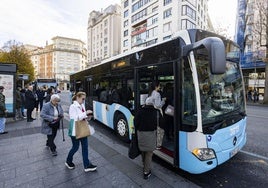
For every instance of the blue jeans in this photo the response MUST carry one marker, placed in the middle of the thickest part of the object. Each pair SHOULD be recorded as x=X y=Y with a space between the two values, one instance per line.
x=75 y=148
x=2 y=124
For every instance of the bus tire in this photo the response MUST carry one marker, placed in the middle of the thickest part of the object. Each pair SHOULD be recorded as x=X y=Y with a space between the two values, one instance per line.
x=121 y=127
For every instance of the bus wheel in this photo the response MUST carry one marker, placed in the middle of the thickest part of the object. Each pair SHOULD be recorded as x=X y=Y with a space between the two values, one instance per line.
x=121 y=127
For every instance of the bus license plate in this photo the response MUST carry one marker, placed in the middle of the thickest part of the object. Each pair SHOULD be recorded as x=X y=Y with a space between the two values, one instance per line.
x=235 y=151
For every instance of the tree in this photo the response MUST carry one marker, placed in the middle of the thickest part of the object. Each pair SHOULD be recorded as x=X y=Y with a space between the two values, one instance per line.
x=14 y=52
x=261 y=31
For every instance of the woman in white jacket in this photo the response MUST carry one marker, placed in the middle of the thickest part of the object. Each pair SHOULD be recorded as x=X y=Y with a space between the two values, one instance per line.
x=77 y=112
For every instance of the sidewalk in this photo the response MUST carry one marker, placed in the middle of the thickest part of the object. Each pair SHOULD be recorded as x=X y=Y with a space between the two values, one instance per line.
x=26 y=162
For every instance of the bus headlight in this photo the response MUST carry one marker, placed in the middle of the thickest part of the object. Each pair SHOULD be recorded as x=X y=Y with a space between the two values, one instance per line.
x=204 y=153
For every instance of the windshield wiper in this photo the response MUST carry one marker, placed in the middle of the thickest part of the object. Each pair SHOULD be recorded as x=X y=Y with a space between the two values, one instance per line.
x=211 y=128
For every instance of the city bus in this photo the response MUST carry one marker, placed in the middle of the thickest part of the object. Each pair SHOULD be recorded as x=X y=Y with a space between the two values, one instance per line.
x=200 y=71
x=45 y=83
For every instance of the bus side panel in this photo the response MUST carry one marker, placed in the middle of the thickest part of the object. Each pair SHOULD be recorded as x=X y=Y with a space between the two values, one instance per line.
x=101 y=114
x=228 y=141
x=105 y=114
x=188 y=161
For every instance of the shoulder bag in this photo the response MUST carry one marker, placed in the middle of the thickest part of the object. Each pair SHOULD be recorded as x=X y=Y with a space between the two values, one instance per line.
x=134 y=150
x=83 y=129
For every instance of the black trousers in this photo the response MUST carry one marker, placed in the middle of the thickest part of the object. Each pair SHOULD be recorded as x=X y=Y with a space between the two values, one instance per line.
x=51 y=138
x=29 y=113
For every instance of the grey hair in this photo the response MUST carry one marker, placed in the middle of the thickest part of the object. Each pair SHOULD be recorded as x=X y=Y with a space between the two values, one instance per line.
x=55 y=96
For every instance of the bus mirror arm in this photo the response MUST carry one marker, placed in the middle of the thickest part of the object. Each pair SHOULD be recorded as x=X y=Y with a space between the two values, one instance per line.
x=216 y=52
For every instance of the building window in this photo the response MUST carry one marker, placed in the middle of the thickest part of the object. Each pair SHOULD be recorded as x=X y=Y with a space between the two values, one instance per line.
x=105 y=23
x=155 y=9
x=125 y=43
x=151 y=32
x=152 y=20
x=125 y=3
x=188 y=11
x=139 y=4
x=186 y=24
x=125 y=23
x=193 y=2
x=167 y=2
x=167 y=27
x=167 y=37
x=167 y=13
x=126 y=13
x=139 y=15
x=125 y=33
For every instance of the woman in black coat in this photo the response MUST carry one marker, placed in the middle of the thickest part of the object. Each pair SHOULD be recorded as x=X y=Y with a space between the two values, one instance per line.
x=145 y=122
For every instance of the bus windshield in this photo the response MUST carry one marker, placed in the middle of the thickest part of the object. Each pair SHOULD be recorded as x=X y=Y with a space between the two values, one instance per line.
x=221 y=95
x=46 y=83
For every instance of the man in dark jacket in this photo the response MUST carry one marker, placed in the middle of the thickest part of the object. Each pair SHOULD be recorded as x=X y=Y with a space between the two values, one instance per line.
x=30 y=101
x=145 y=122
x=40 y=94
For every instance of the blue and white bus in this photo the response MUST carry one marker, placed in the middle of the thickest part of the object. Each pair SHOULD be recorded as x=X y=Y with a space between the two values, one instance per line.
x=45 y=83
x=201 y=76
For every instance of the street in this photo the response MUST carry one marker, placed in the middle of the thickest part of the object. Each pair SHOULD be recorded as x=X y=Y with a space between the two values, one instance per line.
x=246 y=169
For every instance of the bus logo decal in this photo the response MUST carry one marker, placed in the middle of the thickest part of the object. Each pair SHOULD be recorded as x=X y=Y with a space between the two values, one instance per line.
x=209 y=138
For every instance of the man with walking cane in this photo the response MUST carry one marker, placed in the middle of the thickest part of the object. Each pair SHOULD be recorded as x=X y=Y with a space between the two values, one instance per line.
x=62 y=128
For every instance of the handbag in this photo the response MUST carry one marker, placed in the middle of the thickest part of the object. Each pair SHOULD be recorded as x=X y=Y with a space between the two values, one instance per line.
x=83 y=129
x=169 y=110
x=133 y=150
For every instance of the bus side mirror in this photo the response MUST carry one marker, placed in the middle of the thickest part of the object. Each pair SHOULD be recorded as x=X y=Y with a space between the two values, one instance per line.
x=216 y=53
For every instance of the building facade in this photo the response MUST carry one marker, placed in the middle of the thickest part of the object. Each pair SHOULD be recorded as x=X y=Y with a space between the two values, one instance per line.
x=103 y=34
x=59 y=59
x=251 y=35
x=146 y=22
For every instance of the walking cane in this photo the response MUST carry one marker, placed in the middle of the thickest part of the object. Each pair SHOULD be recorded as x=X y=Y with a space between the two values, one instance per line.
x=63 y=139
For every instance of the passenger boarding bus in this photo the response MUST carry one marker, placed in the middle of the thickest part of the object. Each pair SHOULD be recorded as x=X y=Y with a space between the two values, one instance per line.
x=200 y=75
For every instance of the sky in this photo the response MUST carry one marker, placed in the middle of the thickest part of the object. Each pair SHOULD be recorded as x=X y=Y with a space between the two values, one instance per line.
x=37 y=21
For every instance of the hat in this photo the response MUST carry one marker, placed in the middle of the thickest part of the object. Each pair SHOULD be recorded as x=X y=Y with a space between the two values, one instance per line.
x=2 y=87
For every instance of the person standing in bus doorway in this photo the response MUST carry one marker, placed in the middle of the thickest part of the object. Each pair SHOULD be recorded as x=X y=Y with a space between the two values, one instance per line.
x=77 y=112
x=145 y=123
x=51 y=113
x=30 y=101
x=154 y=97
x=3 y=111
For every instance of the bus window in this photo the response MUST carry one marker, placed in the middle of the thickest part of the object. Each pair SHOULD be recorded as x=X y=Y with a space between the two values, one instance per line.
x=189 y=120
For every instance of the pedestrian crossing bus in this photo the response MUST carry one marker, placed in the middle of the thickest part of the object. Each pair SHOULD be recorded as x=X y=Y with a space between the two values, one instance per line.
x=200 y=76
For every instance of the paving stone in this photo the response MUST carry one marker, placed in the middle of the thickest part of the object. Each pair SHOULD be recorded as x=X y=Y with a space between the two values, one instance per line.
x=33 y=167
x=24 y=179
x=120 y=180
x=7 y=174
x=68 y=184
x=97 y=183
x=12 y=157
x=36 y=183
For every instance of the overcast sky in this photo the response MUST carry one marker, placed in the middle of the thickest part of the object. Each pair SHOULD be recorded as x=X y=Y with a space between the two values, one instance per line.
x=37 y=21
